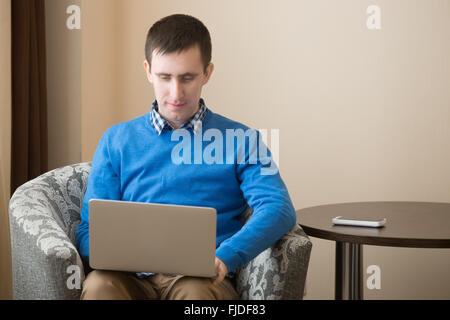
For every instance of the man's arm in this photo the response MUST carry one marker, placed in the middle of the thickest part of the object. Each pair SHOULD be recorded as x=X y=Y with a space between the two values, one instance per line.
x=273 y=212
x=103 y=183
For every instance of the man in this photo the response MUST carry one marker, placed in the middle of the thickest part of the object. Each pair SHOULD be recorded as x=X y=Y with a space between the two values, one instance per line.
x=134 y=161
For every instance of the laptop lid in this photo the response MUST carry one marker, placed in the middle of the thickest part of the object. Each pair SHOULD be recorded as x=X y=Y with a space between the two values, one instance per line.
x=147 y=237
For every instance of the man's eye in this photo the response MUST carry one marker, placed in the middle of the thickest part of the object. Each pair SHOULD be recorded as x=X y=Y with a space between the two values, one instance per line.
x=187 y=79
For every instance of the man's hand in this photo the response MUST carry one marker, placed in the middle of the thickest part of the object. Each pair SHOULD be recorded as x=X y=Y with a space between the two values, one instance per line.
x=221 y=270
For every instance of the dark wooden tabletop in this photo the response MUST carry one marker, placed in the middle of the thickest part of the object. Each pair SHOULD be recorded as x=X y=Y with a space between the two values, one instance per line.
x=409 y=224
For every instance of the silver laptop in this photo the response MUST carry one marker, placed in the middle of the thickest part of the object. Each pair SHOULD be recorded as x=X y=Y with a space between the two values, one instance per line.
x=146 y=237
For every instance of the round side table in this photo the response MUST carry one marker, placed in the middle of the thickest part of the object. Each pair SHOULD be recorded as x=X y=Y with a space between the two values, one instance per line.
x=409 y=224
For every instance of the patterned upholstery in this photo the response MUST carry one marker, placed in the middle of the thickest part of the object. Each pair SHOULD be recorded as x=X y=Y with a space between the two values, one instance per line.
x=44 y=216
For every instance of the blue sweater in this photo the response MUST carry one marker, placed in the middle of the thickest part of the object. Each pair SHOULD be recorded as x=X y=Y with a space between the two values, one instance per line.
x=133 y=163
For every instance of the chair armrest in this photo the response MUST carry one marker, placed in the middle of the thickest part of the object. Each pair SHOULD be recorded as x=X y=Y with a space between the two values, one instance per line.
x=278 y=273
x=45 y=263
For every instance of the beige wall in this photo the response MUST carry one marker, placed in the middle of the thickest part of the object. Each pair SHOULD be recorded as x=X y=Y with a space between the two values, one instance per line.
x=64 y=85
x=5 y=146
x=101 y=72
x=363 y=115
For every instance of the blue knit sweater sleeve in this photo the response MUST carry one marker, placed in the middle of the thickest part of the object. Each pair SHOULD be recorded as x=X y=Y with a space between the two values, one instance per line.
x=273 y=212
x=103 y=183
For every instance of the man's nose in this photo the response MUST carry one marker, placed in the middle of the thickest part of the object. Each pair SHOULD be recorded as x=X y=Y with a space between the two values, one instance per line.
x=176 y=90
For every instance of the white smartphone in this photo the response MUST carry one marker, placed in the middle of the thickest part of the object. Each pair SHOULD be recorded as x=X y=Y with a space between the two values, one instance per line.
x=360 y=222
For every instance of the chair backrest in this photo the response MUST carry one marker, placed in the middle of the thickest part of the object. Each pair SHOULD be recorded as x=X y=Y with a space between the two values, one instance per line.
x=62 y=190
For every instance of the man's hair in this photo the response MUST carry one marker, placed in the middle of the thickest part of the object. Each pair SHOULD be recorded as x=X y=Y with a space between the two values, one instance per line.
x=177 y=33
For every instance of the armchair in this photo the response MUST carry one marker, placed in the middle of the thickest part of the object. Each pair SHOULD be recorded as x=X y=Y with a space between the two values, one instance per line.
x=44 y=216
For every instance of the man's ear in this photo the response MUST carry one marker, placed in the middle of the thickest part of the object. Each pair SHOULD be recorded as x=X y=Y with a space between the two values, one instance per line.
x=148 y=71
x=209 y=71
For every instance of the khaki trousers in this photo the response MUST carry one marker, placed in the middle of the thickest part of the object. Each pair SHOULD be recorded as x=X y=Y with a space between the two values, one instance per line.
x=116 y=285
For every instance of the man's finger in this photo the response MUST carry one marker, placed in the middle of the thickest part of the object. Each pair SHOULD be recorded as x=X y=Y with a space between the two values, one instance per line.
x=219 y=278
x=221 y=270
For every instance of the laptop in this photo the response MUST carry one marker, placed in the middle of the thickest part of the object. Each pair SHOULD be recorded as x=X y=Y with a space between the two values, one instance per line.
x=156 y=238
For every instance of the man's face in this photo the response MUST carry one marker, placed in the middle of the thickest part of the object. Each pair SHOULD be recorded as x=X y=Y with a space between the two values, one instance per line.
x=177 y=79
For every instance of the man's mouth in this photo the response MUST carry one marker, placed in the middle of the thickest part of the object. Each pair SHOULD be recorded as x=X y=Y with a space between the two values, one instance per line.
x=177 y=105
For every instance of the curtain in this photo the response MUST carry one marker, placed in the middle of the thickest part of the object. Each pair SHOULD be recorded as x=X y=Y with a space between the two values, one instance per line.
x=29 y=148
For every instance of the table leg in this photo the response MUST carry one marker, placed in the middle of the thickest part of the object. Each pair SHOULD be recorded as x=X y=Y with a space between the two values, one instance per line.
x=349 y=271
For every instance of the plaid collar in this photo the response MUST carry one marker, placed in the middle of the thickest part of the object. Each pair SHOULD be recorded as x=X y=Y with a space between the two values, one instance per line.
x=195 y=123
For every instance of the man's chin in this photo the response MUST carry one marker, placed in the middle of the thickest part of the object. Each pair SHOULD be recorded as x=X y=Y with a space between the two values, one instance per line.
x=179 y=114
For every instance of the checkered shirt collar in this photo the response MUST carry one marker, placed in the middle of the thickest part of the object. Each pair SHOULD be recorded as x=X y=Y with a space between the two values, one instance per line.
x=195 y=123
